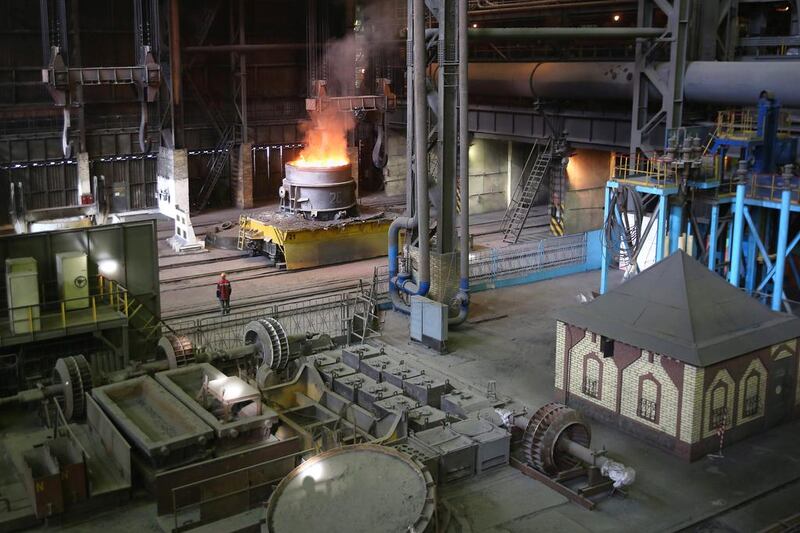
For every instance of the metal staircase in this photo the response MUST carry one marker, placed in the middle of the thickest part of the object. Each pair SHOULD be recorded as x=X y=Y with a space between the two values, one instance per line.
x=365 y=317
x=244 y=226
x=533 y=173
x=217 y=163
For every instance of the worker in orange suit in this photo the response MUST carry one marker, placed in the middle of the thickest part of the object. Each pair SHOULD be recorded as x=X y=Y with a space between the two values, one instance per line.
x=224 y=294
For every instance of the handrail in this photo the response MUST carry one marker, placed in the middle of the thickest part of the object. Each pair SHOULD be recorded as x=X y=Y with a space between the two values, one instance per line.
x=655 y=170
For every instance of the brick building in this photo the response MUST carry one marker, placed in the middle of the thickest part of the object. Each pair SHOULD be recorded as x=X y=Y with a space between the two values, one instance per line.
x=675 y=354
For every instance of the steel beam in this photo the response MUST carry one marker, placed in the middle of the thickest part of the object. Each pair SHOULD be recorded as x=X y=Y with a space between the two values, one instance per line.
x=244 y=48
x=780 y=256
x=563 y=33
x=604 y=248
x=712 y=237
x=737 y=235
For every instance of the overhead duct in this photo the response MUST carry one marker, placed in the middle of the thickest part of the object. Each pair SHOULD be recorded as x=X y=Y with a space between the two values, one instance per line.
x=705 y=82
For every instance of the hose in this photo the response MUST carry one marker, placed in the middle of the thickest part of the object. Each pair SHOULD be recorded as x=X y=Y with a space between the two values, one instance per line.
x=621 y=235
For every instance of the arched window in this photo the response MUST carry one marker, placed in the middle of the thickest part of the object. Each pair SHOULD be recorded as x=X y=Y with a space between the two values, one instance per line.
x=752 y=394
x=719 y=406
x=649 y=398
x=592 y=376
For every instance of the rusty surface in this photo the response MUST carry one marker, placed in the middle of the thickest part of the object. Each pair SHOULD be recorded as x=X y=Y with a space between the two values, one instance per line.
x=171 y=479
x=558 y=487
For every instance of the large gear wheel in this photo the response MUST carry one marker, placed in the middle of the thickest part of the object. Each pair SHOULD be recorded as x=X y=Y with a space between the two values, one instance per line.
x=544 y=429
x=272 y=343
x=75 y=375
x=177 y=350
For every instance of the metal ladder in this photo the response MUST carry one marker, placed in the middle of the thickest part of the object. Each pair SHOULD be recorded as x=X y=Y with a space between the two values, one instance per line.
x=217 y=164
x=244 y=223
x=365 y=314
x=522 y=201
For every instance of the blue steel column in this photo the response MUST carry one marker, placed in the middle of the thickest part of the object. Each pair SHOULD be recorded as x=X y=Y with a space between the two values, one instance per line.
x=675 y=227
x=751 y=256
x=712 y=237
x=780 y=258
x=662 y=227
x=604 y=248
x=738 y=233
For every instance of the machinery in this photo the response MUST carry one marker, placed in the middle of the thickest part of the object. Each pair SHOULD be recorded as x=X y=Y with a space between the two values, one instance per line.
x=725 y=194
x=555 y=441
x=71 y=380
x=319 y=192
x=351 y=482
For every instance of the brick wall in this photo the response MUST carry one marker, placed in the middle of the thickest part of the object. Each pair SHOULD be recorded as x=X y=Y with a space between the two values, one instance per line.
x=561 y=332
x=720 y=392
x=692 y=411
x=589 y=347
x=648 y=367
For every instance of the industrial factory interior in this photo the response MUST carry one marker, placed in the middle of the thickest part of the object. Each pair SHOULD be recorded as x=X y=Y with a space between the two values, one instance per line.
x=400 y=266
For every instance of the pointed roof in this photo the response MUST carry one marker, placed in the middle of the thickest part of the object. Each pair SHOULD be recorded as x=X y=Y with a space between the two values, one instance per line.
x=680 y=309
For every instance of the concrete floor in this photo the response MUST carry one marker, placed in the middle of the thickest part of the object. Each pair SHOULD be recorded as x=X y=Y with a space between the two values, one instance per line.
x=514 y=346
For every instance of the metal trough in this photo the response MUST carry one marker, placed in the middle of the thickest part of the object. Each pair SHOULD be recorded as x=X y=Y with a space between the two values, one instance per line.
x=251 y=420
x=163 y=429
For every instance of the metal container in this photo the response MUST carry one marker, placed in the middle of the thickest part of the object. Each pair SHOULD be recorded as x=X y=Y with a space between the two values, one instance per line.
x=22 y=295
x=457 y=452
x=331 y=373
x=187 y=385
x=397 y=374
x=322 y=359
x=462 y=403
x=355 y=489
x=73 y=279
x=323 y=193
x=374 y=366
x=353 y=355
x=494 y=443
x=348 y=386
x=426 y=389
x=394 y=405
x=375 y=392
x=153 y=420
x=425 y=417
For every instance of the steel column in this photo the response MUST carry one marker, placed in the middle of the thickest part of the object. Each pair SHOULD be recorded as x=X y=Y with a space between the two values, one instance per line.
x=675 y=227
x=738 y=234
x=662 y=227
x=447 y=124
x=780 y=257
x=712 y=237
x=751 y=255
x=604 y=248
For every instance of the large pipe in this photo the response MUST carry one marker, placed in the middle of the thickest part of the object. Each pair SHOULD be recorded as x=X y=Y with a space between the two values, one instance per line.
x=520 y=34
x=421 y=150
x=227 y=48
x=705 y=82
x=555 y=4
x=421 y=219
x=463 y=162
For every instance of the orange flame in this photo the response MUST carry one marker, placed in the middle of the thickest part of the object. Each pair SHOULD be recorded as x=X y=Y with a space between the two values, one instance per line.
x=325 y=140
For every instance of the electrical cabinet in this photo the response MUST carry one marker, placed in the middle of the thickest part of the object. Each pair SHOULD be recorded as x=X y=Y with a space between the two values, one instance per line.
x=428 y=322
x=22 y=293
x=73 y=279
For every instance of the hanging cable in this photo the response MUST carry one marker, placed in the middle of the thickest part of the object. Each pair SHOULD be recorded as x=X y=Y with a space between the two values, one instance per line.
x=622 y=228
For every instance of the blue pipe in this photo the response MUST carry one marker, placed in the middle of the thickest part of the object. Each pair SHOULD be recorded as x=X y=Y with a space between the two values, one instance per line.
x=604 y=248
x=675 y=227
x=780 y=258
x=738 y=233
x=662 y=227
x=712 y=237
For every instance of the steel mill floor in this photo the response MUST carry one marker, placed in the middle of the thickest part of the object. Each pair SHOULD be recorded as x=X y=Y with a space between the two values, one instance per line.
x=509 y=338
